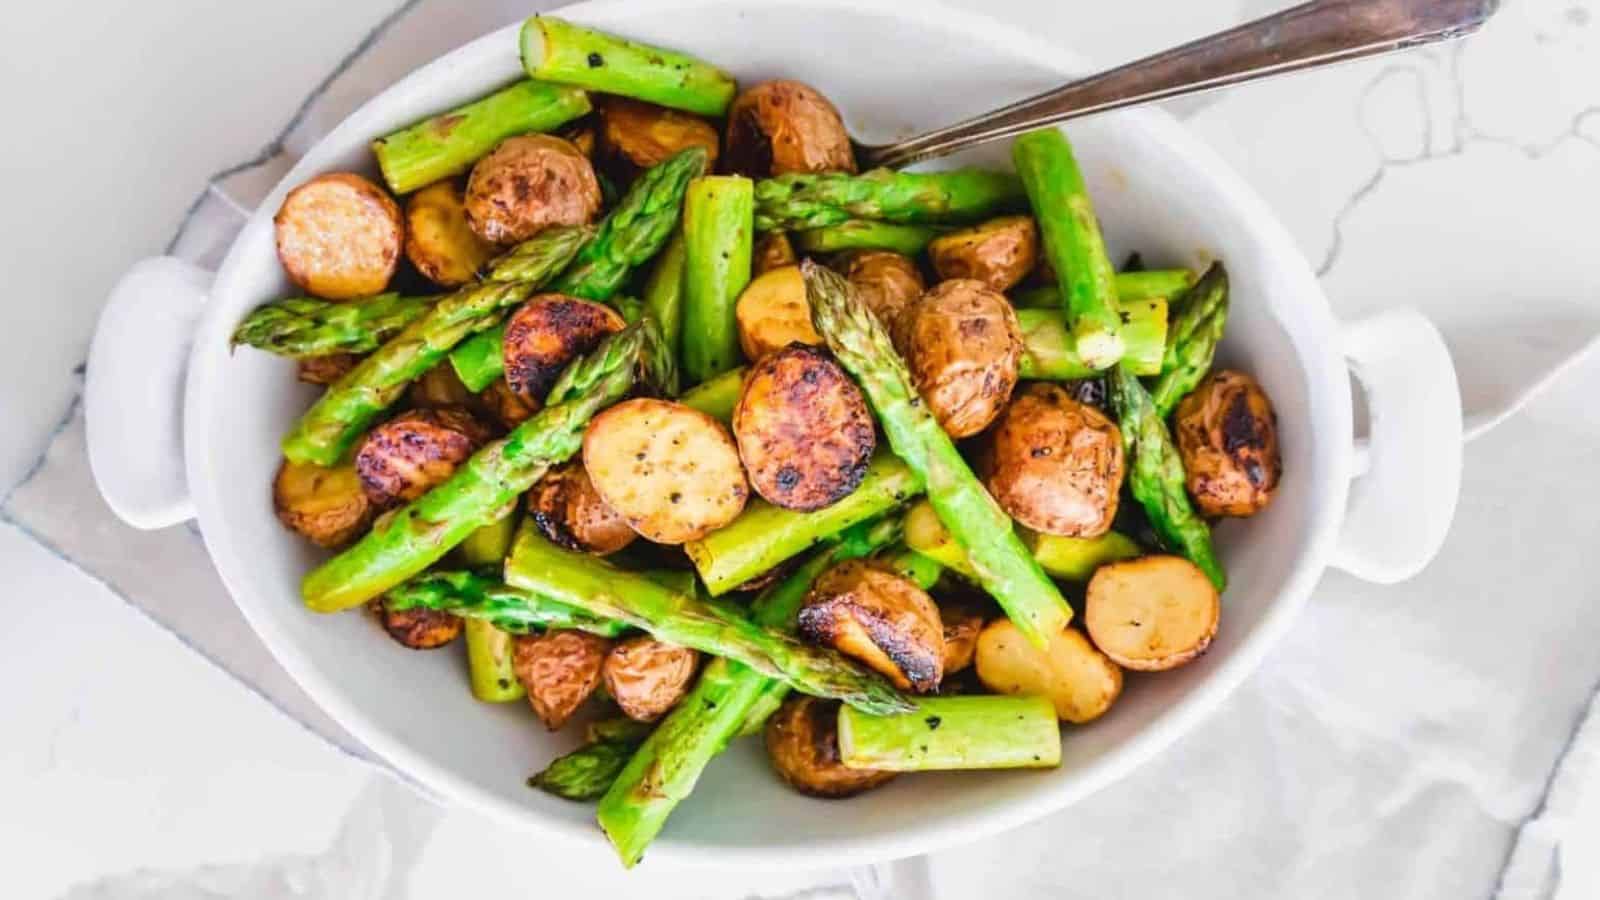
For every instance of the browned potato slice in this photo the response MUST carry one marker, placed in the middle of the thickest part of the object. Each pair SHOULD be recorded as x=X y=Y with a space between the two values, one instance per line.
x=640 y=135
x=867 y=612
x=647 y=677
x=405 y=457
x=1081 y=681
x=339 y=236
x=581 y=135
x=439 y=242
x=961 y=626
x=671 y=472
x=963 y=345
x=1055 y=464
x=559 y=670
x=803 y=744
x=778 y=127
x=325 y=370
x=504 y=405
x=887 y=282
x=772 y=251
x=772 y=313
x=548 y=332
x=999 y=253
x=1152 y=613
x=804 y=432
x=1228 y=436
x=440 y=387
x=527 y=184
x=419 y=629
x=567 y=509
x=328 y=506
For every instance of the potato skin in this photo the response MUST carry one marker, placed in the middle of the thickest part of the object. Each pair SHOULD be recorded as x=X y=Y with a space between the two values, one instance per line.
x=962 y=623
x=559 y=670
x=440 y=387
x=803 y=744
x=339 y=236
x=999 y=253
x=1056 y=465
x=639 y=135
x=548 y=332
x=1227 y=434
x=527 y=184
x=963 y=346
x=772 y=251
x=1080 y=680
x=804 y=432
x=1152 y=613
x=502 y=403
x=772 y=313
x=647 y=677
x=867 y=612
x=327 y=506
x=405 y=457
x=419 y=629
x=325 y=370
x=888 y=282
x=778 y=127
x=568 y=510
x=439 y=242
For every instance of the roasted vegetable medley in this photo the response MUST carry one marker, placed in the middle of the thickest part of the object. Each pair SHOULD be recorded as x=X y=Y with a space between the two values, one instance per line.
x=697 y=433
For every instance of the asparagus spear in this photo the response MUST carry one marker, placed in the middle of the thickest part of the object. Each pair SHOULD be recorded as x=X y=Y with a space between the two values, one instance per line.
x=663 y=295
x=955 y=197
x=1156 y=477
x=1003 y=565
x=1050 y=354
x=489 y=669
x=1072 y=242
x=1066 y=558
x=993 y=732
x=860 y=234
x=717 y=247
x=423 y=531
x=717 y=397
x=450 y=143
x=923 y=571
x=478 y=595
x=1155 y=284
x=1192 y=342
x=557 y=50
x=327 y=430
x=302 y=327
x=586 y=773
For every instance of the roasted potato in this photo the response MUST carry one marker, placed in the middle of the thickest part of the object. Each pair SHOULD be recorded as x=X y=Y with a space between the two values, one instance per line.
x=647 y=677
x=568 y=510
x=778 y=127
x=339 y=236
x=637 y=135
x=405 y=457
x=962 y=343
x=439 y=242
x=548 y=332
x=504 y=405
x=527 y=184
x=865 y=611
x=440 y=387
x=327 y=506
x=419 y=629
x=962 y=622
x=803 y=744
x=671 y=472
x=581 y=134
x=1227 y=435
x=1153 y=613
x=772 y=251
x=998 y=253
x=559 y=670
x=1081 y=681
x=804 y=432
x=772 y=313
x=1055 y=464
x=325 y=370
x=888 y=282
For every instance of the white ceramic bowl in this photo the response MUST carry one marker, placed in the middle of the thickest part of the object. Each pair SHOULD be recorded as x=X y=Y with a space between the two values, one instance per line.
x=893 y=68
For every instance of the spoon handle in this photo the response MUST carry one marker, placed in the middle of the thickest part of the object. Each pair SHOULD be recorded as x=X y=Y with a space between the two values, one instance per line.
x=1312 y=34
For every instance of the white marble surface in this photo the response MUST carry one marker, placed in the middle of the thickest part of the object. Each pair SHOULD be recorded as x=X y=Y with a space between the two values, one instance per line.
x=1460 y=180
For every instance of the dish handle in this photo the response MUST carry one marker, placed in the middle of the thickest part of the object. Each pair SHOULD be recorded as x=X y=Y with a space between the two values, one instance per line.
x=1408 y=470
x=133 y=391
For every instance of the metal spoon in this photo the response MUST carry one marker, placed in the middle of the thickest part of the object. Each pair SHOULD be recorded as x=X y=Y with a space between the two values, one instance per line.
x=1302 y=37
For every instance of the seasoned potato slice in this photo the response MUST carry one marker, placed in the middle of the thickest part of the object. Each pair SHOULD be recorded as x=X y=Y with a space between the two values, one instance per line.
x=1055 y=464
x=328 y=506
x=439 y=242
x=339 y=236
x=772 y=313
x=504 y=405
x=548 y=332
x=999 y=253
x=405 y=457
x=440 y=387
x=672 y=472
x=647 y=677
x=1227 y=435
x=867 y=612
x=887 y=282
x=803 y=744
x=527 y=184
x=569 y=511
x=639 y=135
x=419 y=629
x=559 y=670
x=803 y=428
x=963 y=345
x=1081 y=681
x=772 y=251
x=1152 y=613
x=325 y=370
x=778 y=127
x=962 y=622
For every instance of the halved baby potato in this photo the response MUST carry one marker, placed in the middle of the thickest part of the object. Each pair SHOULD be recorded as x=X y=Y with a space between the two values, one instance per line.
x=327 y=506
x=867 y=612
x=962 y=623
x=325 y=370
x=1153 y=613
x=999 y=253
x=527 y=184
x=1080 y=680
x=772 y=251
x=639 y=135
x=888 y=283
x=647 y=677
x=504 y=406
x=565 y=506
x=440 y=387
x=339 y=236
x=773 y=313
x=559 y=670
x=778 y=127
x=1227 y=434
x=1055 y=465
x=803 y=744
x=407 y=456
x=963 y=346
x=419 y=629
x=439 y=242
x=548 y=332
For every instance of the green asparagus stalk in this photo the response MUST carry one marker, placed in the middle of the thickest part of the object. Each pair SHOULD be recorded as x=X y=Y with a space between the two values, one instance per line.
x=427 y=528
x=1049 y=352
x=479 y=595
x=1156 y=476
x=718 y=242
x=717 y=397
x=586 y=773
x=1067 y=558
x=978 y=732
x=923 y=571
x=489 y=669
x=1155 y=284
x=557 y=50
x=480 y=360
x=450 y=143
x=663 y=295
x=1192 y=343
x=1003 y=565
x=326 y=432
x=956 y=197
x=302 y=327
x=860 y=234
x=1072 y=242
